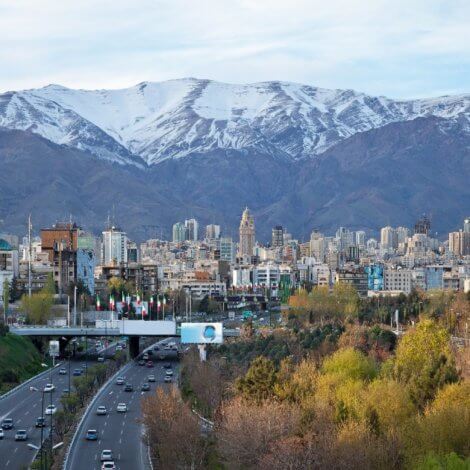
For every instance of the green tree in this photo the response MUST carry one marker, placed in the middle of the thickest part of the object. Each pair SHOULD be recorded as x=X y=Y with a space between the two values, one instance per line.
x=425 y=362
x=258 y=383
x=37 y=308
x=350 y=364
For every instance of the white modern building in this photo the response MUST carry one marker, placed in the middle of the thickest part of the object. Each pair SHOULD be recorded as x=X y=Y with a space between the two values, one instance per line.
x=114 y=246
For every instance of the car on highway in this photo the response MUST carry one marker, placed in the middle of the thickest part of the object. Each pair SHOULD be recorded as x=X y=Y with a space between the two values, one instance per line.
x=2 y=434
x=77 y=372
x=108 y=466
x=91 y=435
x=121 y=408
x=149 y=364
x=120 y=381
x=151 y=378
x=62 y=371
x=106 y=455
x=167 y=379
x=49 y=388
x=50 y=410
x=145 y=387
x=169 y=372
x=167 y=365
x=145 y=357
x=7 y=423
x=156 y=348
x=128 y=388
x=40 y=422
x=101 y=410
x=65 y=391
x=118 y=347
x=21 y=435
x=141 y=362
x=100 y=359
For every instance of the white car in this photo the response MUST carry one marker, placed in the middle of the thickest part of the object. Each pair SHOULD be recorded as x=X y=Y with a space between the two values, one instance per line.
x=108 y=466
x=50 y=410
x=169 y=372
x=101 y=410
x=49 y=388
x=121 y=408
x=106 y=455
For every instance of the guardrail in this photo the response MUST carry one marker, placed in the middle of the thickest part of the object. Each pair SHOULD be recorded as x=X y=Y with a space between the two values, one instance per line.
x=26 y=382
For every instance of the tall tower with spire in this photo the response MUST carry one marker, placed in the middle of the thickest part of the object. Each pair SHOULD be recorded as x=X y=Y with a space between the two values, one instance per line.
x=247 y=234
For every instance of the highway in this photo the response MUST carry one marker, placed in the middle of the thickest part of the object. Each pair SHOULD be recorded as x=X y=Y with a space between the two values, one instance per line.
x=24 y=406
x=119 y=432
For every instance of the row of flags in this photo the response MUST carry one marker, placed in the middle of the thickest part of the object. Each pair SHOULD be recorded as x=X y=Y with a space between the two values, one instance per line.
x=126 y=301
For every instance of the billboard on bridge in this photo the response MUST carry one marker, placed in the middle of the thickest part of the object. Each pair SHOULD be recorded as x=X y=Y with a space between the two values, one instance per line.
x=147 y=327
x=201 y=333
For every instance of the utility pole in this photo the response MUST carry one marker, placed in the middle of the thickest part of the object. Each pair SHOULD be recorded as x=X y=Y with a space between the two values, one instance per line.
x=29 y=255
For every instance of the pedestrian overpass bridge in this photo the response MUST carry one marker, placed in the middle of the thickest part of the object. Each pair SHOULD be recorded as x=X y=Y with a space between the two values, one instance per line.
x=134 y=329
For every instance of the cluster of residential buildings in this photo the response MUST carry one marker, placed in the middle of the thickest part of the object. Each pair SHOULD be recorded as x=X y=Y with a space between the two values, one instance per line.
x=206 y=262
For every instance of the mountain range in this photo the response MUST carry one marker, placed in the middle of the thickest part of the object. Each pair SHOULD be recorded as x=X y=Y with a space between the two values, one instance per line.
x=300 y=156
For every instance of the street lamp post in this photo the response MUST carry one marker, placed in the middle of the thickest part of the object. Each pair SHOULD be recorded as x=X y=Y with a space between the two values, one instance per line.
x=41 y=451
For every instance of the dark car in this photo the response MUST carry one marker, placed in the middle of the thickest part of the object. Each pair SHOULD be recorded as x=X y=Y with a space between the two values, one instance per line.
x=128 y=388
x=141 y=362
x=156 y=348
x=149 y=364
x=77 y=372
x=40 y=422
x=145 y=387
x=167 y=365
x=91 y=435
x=7 y=423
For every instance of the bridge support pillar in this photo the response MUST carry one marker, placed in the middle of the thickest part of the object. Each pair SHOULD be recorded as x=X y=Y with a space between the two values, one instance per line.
x=134 y=346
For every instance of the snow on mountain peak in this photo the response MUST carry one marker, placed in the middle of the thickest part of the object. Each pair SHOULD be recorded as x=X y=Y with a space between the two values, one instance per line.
x=175 y=118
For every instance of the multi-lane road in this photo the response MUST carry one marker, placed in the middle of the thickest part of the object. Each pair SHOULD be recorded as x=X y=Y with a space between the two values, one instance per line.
x=120 y=432
x=24 y=407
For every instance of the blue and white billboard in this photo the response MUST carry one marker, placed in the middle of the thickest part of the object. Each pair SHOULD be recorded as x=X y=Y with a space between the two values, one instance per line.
x=201 y=333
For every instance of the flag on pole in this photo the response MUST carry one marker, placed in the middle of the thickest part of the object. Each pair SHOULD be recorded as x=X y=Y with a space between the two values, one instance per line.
x=98 y=303
x=138 y=298
x=144 y=312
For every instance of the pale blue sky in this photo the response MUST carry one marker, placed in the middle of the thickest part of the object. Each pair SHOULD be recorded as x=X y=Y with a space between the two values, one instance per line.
x=397 y=48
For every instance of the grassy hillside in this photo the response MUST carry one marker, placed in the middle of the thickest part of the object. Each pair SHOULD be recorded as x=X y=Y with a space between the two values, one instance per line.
x=19 y=360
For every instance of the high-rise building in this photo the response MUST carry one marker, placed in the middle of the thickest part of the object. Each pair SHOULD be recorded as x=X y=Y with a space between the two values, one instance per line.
x=361 y=239
x=466 y=225
x=344 y=239
x=423 y=225
x=212 y=232
x=317 y=246
x=388 y=238
x=227 y=250
x=60 y=242
x=277 y=237
x=247 y=234
x=114 y=246
x=459 y=243
x=179 y=232
x=192 y=228
x=402 y=234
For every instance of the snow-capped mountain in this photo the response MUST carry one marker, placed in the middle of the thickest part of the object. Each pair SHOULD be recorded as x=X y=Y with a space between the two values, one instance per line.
x=153 y=122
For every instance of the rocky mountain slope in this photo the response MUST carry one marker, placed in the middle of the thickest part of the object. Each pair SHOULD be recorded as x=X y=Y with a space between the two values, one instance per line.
x=388 y=175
